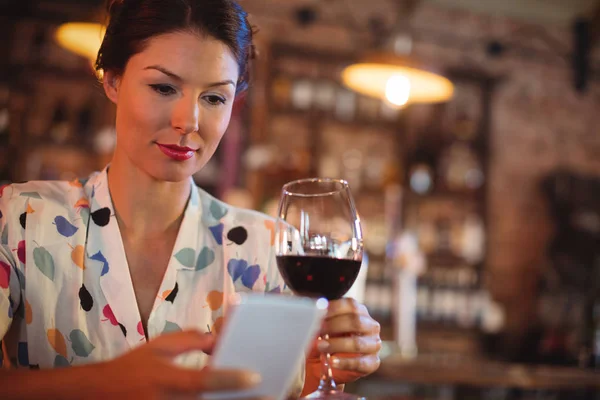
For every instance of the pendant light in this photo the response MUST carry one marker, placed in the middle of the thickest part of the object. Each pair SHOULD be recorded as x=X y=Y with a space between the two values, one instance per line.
x=392 y=74
x=83 y=38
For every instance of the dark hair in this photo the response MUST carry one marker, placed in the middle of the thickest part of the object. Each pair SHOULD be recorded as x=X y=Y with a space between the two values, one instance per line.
x=133 y=22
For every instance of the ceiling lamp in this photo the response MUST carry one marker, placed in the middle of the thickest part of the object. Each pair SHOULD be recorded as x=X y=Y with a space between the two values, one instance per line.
x=391 y=74
x=83 y=38
x=396 y=80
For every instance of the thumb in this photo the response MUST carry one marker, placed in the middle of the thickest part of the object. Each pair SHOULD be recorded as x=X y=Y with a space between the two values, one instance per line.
x=174 y=344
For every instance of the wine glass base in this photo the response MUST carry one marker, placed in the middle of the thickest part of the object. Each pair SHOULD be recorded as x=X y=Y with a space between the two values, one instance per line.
x=332 y=395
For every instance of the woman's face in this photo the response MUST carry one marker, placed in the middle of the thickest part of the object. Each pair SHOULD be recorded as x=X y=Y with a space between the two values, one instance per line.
x=174 y=102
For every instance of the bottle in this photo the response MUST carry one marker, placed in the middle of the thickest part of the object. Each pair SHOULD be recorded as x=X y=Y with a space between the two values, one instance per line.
x=596 y=329
x=423 y=296
x=422 y=166
x=437 y=295
x=591 y=339
x=4 y=113
x=462 y=298
x=85 y=118
x=60 y=129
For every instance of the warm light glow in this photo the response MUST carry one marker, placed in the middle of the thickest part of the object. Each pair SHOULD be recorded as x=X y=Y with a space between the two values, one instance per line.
x=377 y=79
x=397 y=90
x=81 y=38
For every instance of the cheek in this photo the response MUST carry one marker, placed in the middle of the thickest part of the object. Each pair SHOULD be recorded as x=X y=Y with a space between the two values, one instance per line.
x=215 y=125
x=141 y=116
x=150 y=114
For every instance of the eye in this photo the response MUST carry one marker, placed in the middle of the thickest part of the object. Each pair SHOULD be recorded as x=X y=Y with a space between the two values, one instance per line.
x=214 y=100
x=163 y=90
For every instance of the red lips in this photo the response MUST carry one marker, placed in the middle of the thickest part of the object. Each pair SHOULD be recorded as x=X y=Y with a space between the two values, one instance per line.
x=175 y=152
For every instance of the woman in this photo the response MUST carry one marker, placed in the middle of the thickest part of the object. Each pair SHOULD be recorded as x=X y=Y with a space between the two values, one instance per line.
x=113 y=275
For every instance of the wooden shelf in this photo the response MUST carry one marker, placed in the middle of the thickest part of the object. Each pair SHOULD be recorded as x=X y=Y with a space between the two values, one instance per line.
x=326 y=116
x=71 y=75
x=445 y=195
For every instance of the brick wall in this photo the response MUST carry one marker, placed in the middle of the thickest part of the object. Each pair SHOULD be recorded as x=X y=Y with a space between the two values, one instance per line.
x=539 y=122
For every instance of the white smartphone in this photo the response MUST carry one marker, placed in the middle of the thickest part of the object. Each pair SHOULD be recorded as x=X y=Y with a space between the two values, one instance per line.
x=268 y=334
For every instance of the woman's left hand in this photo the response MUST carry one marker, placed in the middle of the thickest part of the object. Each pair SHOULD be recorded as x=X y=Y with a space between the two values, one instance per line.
x=354 y=342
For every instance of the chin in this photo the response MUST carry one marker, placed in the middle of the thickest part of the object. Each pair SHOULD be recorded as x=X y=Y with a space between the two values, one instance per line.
x=172 y=173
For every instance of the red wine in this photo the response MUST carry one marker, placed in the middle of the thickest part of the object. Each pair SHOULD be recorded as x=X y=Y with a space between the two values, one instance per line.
x=315 y=276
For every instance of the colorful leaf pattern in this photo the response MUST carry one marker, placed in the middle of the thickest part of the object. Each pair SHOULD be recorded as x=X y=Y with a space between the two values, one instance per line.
x=77 y=255
x=4 y=236
x=21 y=253
x=217 y=210
x=214 y=300
x=80 y=343
x=240 y=269
x=64 y=227
x=205 y=258
x=4 y=275
x=31 y=195
x=217 y=232
x=186 y=257
x=270 y=225
x=82 y=203
x=140 y=329
x=44 y=261
x=61 y=362
x=57 y=341
x=99 y=257
x=171 y=327
x=28 y=313
x=238 y=260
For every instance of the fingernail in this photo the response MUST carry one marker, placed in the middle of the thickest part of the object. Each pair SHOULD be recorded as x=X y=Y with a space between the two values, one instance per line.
x=255 y=378
x=323 y=345
x=335 y=362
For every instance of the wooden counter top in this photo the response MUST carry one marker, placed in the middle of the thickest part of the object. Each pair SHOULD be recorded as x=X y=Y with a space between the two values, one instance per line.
x=454 y=370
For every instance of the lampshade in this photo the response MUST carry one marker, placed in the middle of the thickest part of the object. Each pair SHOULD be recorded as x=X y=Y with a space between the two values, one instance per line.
x=397 y=79
x=83 y=38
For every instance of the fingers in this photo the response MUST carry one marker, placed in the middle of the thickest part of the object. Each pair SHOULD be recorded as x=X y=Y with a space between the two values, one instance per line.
x=246 y=398
x=352 y=344
x=209 y=380
x=174 y=344
x=345 y=306
x=194 y=396
x=364 y=365
x=351 y=323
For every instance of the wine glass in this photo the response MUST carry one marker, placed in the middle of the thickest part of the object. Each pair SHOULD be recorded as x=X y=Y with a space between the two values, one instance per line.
x=319 y=250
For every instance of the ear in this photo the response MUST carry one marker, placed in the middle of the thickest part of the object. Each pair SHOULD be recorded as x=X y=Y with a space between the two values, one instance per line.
x=111 y=83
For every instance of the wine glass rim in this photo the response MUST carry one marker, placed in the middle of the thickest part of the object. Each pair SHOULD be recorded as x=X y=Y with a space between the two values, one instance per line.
x=286 y=188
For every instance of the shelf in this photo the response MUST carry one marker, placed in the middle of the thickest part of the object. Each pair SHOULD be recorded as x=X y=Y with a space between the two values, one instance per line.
x=71 y=75
x=443 y=195
x=326 y=116
x=72 y=144
x=448 y=259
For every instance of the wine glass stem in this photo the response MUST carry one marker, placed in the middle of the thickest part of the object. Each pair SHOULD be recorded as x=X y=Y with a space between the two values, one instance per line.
x=326 y=384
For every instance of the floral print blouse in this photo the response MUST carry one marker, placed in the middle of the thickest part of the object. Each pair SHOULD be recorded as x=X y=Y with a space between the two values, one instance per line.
x=66 y=295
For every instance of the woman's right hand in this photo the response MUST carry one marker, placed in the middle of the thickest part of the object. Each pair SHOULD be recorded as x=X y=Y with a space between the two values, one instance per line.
x=148 y=372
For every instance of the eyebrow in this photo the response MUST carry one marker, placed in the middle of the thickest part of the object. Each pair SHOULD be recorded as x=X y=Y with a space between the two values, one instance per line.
x=180 y=79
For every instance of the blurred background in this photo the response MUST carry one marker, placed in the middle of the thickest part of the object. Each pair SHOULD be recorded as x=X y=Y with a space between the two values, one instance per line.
x=472 y=146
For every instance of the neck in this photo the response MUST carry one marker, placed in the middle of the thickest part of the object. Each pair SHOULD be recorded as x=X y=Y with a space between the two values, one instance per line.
x=145 y=207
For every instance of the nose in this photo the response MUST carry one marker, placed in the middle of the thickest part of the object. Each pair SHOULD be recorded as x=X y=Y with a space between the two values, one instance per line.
x=185 y=117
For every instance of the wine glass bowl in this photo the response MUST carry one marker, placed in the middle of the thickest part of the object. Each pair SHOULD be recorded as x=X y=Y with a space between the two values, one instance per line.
x=319 y=249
